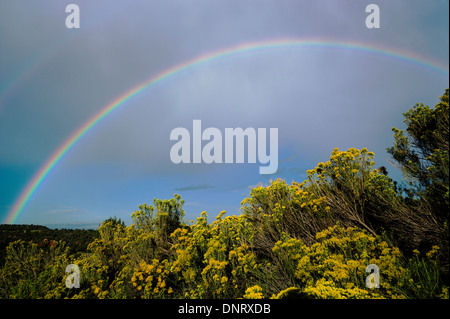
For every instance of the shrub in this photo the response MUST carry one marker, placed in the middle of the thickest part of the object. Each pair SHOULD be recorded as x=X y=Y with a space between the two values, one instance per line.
x=335 y=266
x=33 y=271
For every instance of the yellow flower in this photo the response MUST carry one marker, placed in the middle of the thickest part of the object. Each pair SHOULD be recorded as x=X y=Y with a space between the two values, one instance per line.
x=433 y=251
x=254 y=292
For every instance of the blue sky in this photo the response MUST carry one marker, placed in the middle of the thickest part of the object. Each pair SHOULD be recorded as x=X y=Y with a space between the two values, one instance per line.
x=53 y=79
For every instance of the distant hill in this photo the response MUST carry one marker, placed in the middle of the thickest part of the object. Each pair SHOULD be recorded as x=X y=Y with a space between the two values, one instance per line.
x=76 y=239
x=74 y=226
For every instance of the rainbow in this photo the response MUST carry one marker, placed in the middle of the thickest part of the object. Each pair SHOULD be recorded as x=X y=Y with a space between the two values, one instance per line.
x=62 y=150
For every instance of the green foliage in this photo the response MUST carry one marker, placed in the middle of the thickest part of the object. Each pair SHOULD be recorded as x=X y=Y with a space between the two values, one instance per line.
x=422 y=153
x=31 y=271
x=76 y=239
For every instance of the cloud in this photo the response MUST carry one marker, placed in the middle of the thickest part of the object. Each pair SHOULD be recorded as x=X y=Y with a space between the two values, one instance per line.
x=193 y=187
x=64 y=211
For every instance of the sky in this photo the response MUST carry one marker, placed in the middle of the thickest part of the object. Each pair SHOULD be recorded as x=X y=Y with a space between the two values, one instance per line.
x=54 y=79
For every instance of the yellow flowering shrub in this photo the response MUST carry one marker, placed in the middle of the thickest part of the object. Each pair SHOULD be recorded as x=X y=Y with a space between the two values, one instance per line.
x=213 y=260
x=282 y=208
x=94 y=269
x=334 y=267
x=151 y=280
x=344 y=166
x=286 y=244
x=327 y=289
x=289 y=293
x=188 y=249
x=254 y=292
x=34 y=271
x=356 y=192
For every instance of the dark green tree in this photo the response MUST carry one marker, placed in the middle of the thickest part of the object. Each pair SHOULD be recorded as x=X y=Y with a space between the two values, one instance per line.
x=421 y=151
